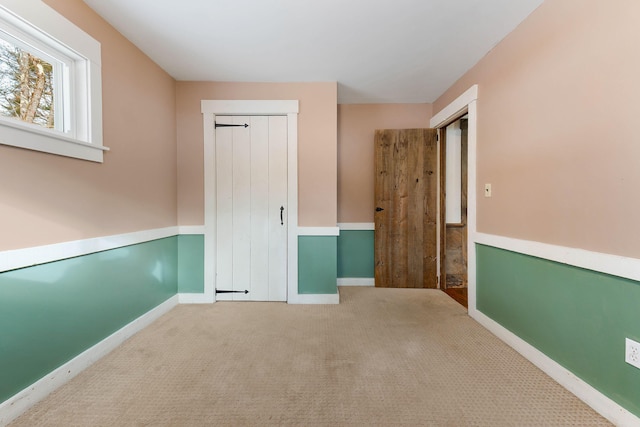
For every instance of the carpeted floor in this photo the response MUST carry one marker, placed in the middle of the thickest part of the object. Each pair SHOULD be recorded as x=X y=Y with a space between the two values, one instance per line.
x=382 y=357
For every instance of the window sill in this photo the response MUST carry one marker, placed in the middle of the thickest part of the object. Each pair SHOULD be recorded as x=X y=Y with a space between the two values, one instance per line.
x=32 y=137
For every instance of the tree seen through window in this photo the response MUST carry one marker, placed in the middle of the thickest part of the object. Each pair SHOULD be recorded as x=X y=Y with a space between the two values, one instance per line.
x=26 y=86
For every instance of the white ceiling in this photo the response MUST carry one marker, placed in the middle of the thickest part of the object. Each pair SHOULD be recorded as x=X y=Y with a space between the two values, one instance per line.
x=377 y=50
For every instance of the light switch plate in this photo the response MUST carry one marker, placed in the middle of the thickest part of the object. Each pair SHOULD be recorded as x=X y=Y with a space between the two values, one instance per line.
x=487 y=190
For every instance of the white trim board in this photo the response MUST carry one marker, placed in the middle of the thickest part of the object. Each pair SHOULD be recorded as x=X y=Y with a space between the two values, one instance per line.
x=356 y=281
x=465 y=104
x=25 y=399
x=585 y=392
x=628 y=268
x=190 y=229
x=357 y=226
x=456 y=109
x=318 y=231
x=28 y=257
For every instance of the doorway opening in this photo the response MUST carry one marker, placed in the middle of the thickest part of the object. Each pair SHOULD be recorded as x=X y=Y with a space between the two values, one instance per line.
x=453 y=189
x=464 y=105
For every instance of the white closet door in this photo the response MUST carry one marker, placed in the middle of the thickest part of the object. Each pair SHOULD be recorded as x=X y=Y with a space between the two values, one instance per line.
x=251 y=169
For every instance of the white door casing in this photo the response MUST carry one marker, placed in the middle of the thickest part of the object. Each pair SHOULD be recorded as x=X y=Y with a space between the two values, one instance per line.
x=466 y=104
x=211 y=109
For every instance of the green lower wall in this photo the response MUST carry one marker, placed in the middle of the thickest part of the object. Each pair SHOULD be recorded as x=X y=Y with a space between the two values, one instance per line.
x=577 y=317
x=52 y=312
x=317 y=265
x=355 y=253
x=191 y=263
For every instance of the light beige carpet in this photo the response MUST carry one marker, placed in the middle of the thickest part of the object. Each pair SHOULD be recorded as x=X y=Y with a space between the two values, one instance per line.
x=382 y=357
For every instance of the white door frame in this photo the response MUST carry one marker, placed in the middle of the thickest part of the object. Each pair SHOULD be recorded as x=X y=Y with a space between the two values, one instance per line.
x=211 y=108
x=466 y=104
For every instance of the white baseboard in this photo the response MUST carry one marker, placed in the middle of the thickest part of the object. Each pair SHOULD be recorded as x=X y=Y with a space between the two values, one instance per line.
x=194 y=299
x=315 y=299
x=22 y=401
x=585 y=392
x=356 y=281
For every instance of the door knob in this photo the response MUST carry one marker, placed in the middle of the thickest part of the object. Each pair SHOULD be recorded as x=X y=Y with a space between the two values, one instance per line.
x=378 y=209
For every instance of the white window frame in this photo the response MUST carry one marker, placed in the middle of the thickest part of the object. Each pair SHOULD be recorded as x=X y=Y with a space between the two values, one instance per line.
x=40 y=26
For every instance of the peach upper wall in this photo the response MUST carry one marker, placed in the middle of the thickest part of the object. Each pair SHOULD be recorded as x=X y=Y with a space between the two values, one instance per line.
x=48 y=199
x=356 y=127
x=316 y=144
x=557 y=127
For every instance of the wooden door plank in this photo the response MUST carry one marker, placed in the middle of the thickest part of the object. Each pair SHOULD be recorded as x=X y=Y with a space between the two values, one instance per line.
x=259 y=176
x=241 y=209
x=383 y=208
x=430 y=209
x=392 y=210
x=400 y=212
x=415 y=218
x=277 y=199
x=443 y=212
x=224 y=215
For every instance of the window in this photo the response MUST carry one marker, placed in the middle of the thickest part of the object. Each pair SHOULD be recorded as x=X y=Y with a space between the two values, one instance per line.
x=27 y=89
x=50 y=82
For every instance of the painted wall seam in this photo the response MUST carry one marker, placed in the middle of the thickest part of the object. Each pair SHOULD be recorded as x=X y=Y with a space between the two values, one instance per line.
x=615 y=265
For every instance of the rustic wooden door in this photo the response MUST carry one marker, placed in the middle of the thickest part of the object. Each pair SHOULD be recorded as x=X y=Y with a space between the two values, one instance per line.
x=406 y=206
